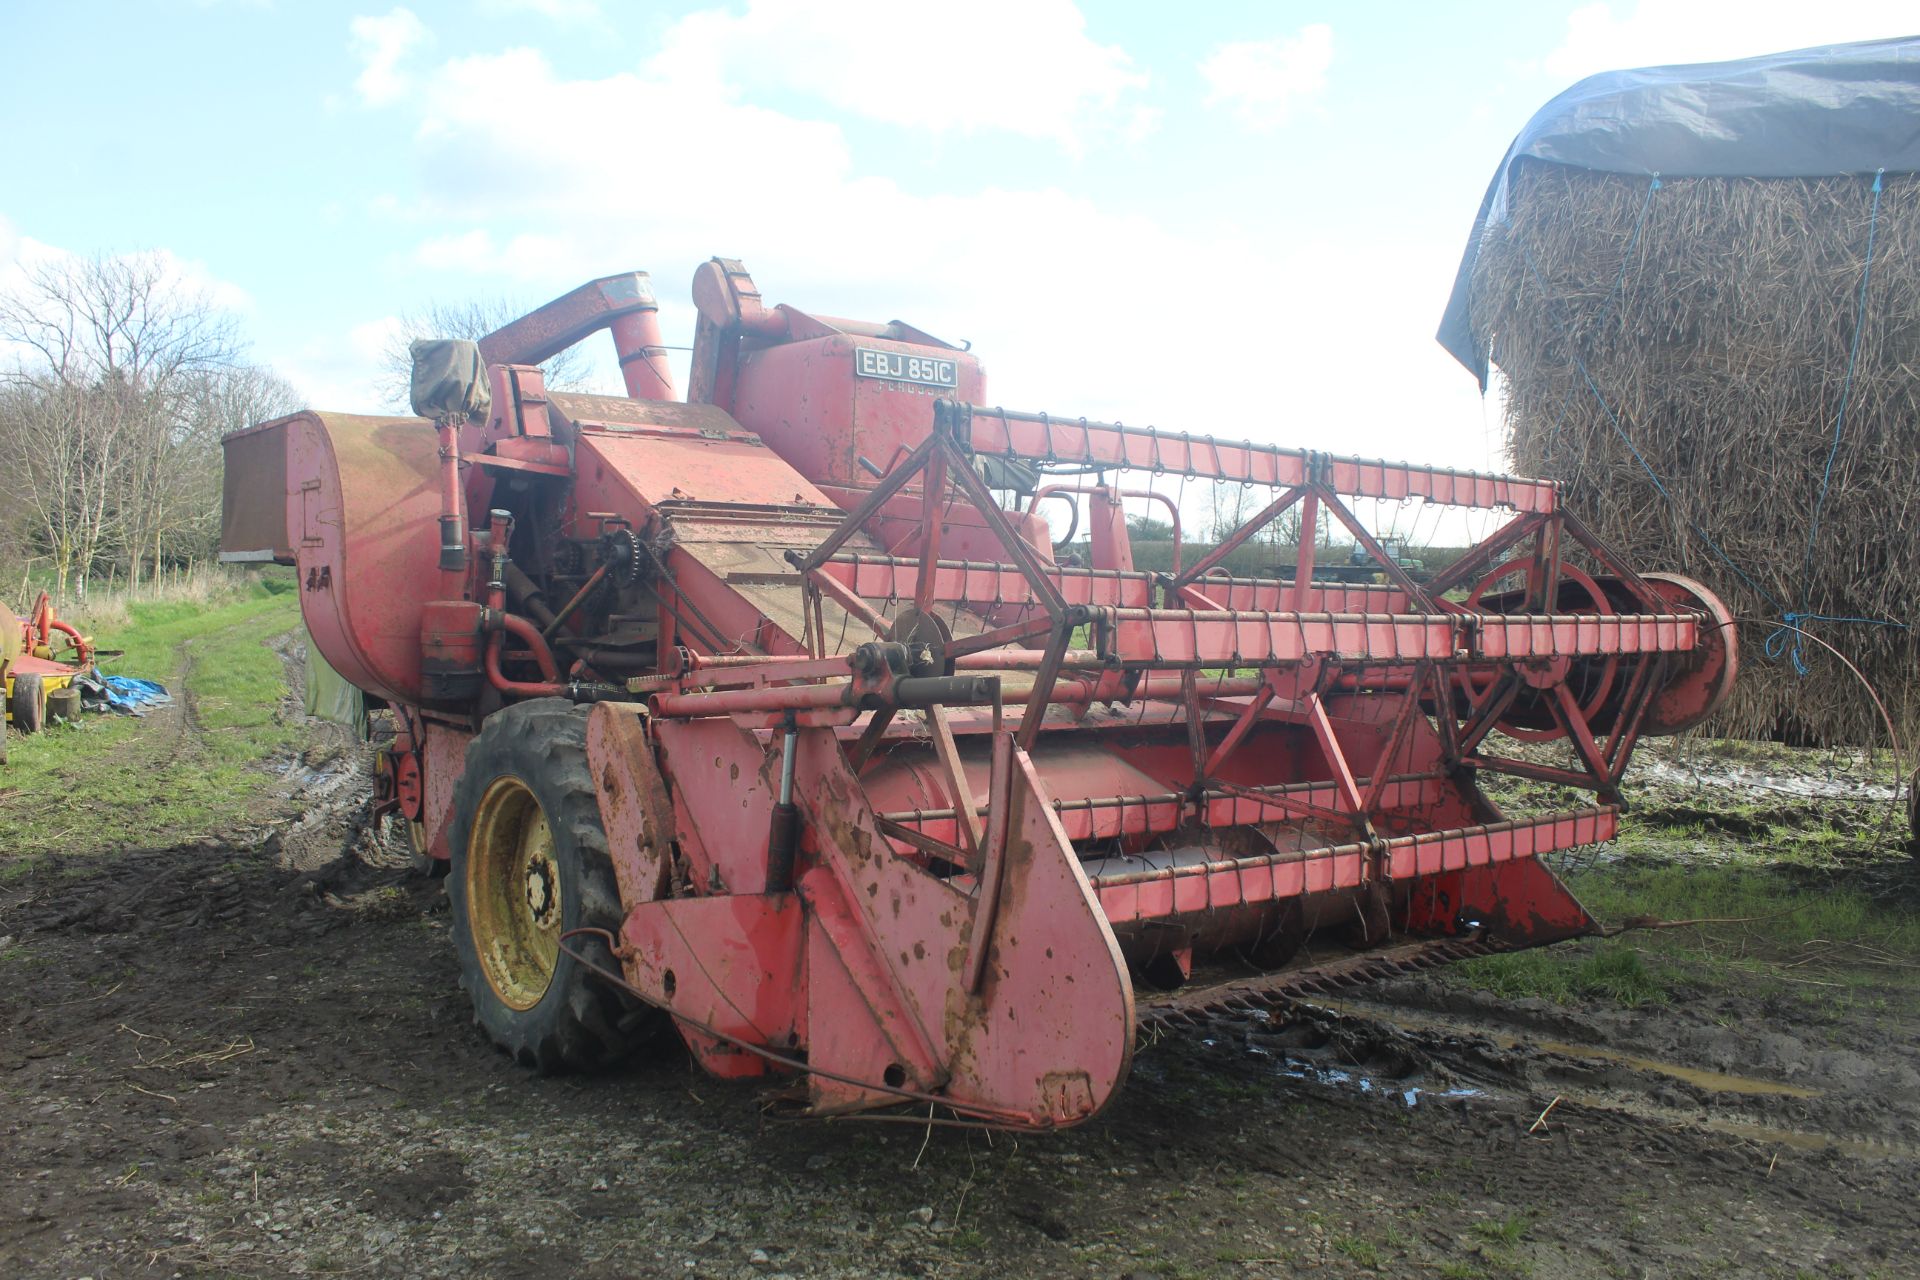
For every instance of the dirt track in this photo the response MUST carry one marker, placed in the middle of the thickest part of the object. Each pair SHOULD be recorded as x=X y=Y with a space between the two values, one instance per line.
x=220 y=1064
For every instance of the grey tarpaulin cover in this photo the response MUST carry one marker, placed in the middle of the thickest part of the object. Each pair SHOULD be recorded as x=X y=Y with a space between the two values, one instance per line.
x=1847 y=108
x=449 y=378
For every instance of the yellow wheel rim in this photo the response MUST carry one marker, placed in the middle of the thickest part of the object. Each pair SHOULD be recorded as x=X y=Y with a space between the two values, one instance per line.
x=514 y=900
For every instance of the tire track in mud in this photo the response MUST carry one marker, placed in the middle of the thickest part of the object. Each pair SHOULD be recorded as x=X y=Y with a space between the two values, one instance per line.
x=182 y=721
x=1373 y=1045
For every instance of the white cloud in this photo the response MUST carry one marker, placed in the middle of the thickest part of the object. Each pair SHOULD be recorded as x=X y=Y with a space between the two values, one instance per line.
x=381 y=45
x=1607 y=37
x=1262 y=81
x=1074 y=306
x=20 y=253
x=1016 y=66
x=371 y=341
x=565 y=12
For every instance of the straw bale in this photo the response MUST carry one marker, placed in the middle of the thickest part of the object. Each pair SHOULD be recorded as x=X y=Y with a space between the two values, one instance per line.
x=1716 y=326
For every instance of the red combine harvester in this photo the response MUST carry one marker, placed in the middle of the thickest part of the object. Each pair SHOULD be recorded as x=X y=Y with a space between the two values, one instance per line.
x=757 y=711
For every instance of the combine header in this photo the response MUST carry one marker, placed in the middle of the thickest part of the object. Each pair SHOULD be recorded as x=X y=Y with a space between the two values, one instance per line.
x=759 y=712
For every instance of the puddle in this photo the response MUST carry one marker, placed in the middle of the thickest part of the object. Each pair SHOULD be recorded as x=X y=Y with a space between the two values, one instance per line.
x=1714 y=1081
x=1717 y=1081
x=1738 y=777
x=1409 y=1094
x=1761 y=1134
x=1800 y=1140
x=1626 y=1100
x=1291 y=1068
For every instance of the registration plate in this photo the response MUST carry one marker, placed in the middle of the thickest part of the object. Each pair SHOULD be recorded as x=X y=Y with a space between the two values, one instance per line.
x=893 y=366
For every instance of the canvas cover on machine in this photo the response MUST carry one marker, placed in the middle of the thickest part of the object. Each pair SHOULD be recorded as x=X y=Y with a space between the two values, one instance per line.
x=1810 y=113
x=449 y=378
x=328 y=696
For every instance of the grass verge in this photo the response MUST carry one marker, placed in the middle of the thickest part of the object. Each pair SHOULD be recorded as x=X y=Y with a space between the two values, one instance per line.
x=1765 y=932
x=114 y=782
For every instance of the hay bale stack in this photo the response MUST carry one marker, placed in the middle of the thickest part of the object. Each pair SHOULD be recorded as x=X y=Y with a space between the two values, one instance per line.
x=1712 y=324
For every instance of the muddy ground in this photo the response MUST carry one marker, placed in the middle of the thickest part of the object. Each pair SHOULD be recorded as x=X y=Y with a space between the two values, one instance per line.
x=248 y=1056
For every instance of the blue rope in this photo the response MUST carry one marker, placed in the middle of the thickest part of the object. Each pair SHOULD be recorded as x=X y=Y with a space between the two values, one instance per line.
x=1790 y=620
x=1790 y=626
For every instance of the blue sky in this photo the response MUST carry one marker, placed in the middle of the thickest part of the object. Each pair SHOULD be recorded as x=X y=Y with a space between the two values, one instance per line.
x=1234 y=218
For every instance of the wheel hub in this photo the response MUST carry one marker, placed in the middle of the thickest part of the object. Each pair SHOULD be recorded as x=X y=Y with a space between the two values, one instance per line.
x=516 y=902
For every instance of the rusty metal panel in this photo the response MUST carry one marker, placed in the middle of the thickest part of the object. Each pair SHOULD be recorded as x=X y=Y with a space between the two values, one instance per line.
x=634 y=809
x=360 y=490
x=669 y=466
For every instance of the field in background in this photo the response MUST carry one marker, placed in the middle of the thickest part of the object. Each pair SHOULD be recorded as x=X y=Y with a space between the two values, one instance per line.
x=186 y=770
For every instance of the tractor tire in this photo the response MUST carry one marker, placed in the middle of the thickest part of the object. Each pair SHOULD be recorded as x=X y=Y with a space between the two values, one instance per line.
x=28 y=705
x=529 y=863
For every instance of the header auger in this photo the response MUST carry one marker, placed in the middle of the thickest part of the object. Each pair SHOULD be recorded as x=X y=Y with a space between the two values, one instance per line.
x=761 y=712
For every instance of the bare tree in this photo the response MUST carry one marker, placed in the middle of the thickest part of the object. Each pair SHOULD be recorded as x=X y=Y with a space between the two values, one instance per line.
x=571 y=370
x=93 y=319
x=96 y=414
x=181 y=516
x=1233 y=505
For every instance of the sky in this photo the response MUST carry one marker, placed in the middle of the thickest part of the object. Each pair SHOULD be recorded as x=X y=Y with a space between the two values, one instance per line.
x=1232 y=218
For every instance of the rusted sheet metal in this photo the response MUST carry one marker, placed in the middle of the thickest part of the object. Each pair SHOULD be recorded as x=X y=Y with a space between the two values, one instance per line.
x=443 y=757
x=1053 y=977
x=723 y=801
x=1004 y=433
x=809 y=399
x=1055 y=1014
x=1702 y=680
x=732 y=962
x=913 y=1054
x=623 y=303
x=357 y=490
x=670 y=466
x=634 y=809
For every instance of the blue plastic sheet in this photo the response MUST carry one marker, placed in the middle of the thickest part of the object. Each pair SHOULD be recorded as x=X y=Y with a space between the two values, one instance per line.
x=123 y=695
